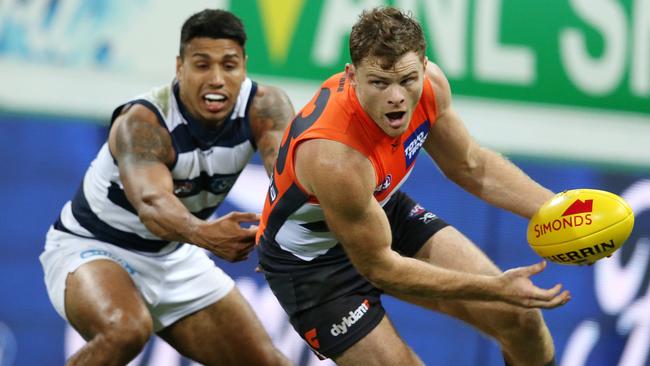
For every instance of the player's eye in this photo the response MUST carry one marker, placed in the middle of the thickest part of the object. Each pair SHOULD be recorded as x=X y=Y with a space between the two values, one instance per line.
x=407 y=81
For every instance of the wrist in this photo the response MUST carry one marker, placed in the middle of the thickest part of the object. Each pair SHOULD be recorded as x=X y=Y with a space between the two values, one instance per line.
x=192 y=229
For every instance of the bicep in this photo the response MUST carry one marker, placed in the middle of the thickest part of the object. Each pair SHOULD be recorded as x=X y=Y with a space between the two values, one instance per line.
x=143 y=150
x=363 y=230
x=351 y=211
x=449 y=142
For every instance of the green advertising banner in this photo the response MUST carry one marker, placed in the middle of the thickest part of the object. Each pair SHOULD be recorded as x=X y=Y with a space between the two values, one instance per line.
x=558 y=79
x=592 y=53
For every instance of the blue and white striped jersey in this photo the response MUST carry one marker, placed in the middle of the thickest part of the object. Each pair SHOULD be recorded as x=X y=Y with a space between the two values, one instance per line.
x=208 y=162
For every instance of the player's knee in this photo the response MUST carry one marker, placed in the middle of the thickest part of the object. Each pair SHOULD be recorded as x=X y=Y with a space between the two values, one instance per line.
x=522 y=325
x=126 y=333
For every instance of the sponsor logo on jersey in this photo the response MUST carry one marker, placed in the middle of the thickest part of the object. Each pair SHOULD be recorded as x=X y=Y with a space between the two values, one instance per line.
x=222 y=184
x=385 y=184
x=182 y=188
x=577 y=214
x=414 y=142
x=427 y=217
x=416 y=210
x=349 y=320
x=104 y=253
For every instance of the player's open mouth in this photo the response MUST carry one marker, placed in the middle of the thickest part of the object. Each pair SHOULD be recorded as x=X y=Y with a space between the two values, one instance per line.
x=214 y=102
x=395 y=119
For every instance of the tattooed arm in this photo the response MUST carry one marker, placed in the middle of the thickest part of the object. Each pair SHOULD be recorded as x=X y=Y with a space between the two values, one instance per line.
x=144 y=152
x=271 y=112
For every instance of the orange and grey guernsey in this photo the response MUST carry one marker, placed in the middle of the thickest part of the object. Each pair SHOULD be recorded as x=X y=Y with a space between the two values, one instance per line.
x=292 y=219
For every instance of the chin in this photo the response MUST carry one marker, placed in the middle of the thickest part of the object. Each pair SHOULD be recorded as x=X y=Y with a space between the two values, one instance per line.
x=393 y=132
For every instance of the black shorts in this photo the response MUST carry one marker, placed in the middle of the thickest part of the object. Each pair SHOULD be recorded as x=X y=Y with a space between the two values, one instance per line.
x=328 y=302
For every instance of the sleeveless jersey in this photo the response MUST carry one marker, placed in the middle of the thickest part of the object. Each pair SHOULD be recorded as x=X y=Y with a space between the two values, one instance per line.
x=292 y=219
x=208 y=162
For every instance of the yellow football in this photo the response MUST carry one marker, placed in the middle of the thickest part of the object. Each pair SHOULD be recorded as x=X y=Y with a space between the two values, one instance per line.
x=580 y=226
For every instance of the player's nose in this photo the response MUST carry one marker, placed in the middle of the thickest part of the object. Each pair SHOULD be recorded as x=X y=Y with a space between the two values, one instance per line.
x=216 y=77
x=395 y=96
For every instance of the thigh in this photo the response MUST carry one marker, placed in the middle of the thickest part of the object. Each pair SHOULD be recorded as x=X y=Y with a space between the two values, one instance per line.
x=226 y=332
x=190 y=281
x=100 y=296
x=450 y=249
x=381 y=347
x=411 y=225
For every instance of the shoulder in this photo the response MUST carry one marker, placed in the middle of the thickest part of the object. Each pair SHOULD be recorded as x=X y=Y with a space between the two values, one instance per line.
x=440 y=85
x=138 y=130
x=136 y=112
x=270 y=109
x=267 y=97
x=326 y=164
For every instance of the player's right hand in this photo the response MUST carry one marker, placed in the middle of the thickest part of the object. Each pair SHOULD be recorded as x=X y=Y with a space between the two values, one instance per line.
x=518 y=289
x=227 y=239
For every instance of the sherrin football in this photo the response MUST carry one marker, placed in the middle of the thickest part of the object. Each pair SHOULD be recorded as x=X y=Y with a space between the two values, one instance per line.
x=580 y=226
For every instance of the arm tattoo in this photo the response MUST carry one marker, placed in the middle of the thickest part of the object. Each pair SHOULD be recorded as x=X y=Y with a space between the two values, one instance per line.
x=143 y=141
x=271 y=113
x=272 y=110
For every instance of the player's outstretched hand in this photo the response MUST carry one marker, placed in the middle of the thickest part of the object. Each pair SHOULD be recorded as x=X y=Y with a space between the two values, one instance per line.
x=227 y=239
x=519 y=290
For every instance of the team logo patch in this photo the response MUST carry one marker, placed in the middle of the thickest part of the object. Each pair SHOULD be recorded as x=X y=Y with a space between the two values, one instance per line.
x=427 y=217
x=416 y=210
x=312 y=339
x=385 y=184
x=183 y=188
x=222 y=184
x=414 y=142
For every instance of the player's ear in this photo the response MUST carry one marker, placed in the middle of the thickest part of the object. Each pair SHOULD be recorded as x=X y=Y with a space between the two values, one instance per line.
x=179 y=64
x=350 y=73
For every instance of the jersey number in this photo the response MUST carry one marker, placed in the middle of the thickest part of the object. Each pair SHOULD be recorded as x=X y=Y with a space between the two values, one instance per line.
x=300 y=124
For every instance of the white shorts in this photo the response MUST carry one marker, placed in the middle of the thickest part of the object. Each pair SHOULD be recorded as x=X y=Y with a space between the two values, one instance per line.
x=173 y=285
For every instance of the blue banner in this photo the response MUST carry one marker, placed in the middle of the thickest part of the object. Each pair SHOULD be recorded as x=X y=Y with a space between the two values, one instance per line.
x=606 y=323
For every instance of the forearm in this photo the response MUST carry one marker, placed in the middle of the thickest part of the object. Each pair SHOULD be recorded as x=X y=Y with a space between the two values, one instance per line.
x=499 y=182
x=166 y=217
x=412 y=277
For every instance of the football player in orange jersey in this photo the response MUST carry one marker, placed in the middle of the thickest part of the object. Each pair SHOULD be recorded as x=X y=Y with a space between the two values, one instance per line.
x=336 y=231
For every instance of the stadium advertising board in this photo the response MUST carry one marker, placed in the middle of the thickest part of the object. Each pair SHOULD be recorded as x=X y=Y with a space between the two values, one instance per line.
x=578 y=52
x=570 y=80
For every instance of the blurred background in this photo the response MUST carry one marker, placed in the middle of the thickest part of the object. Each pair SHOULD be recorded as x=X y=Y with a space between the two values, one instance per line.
x=560 y=87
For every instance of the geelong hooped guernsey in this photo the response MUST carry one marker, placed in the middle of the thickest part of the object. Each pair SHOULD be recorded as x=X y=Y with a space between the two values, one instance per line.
x=208 y=162
x=293 y=221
